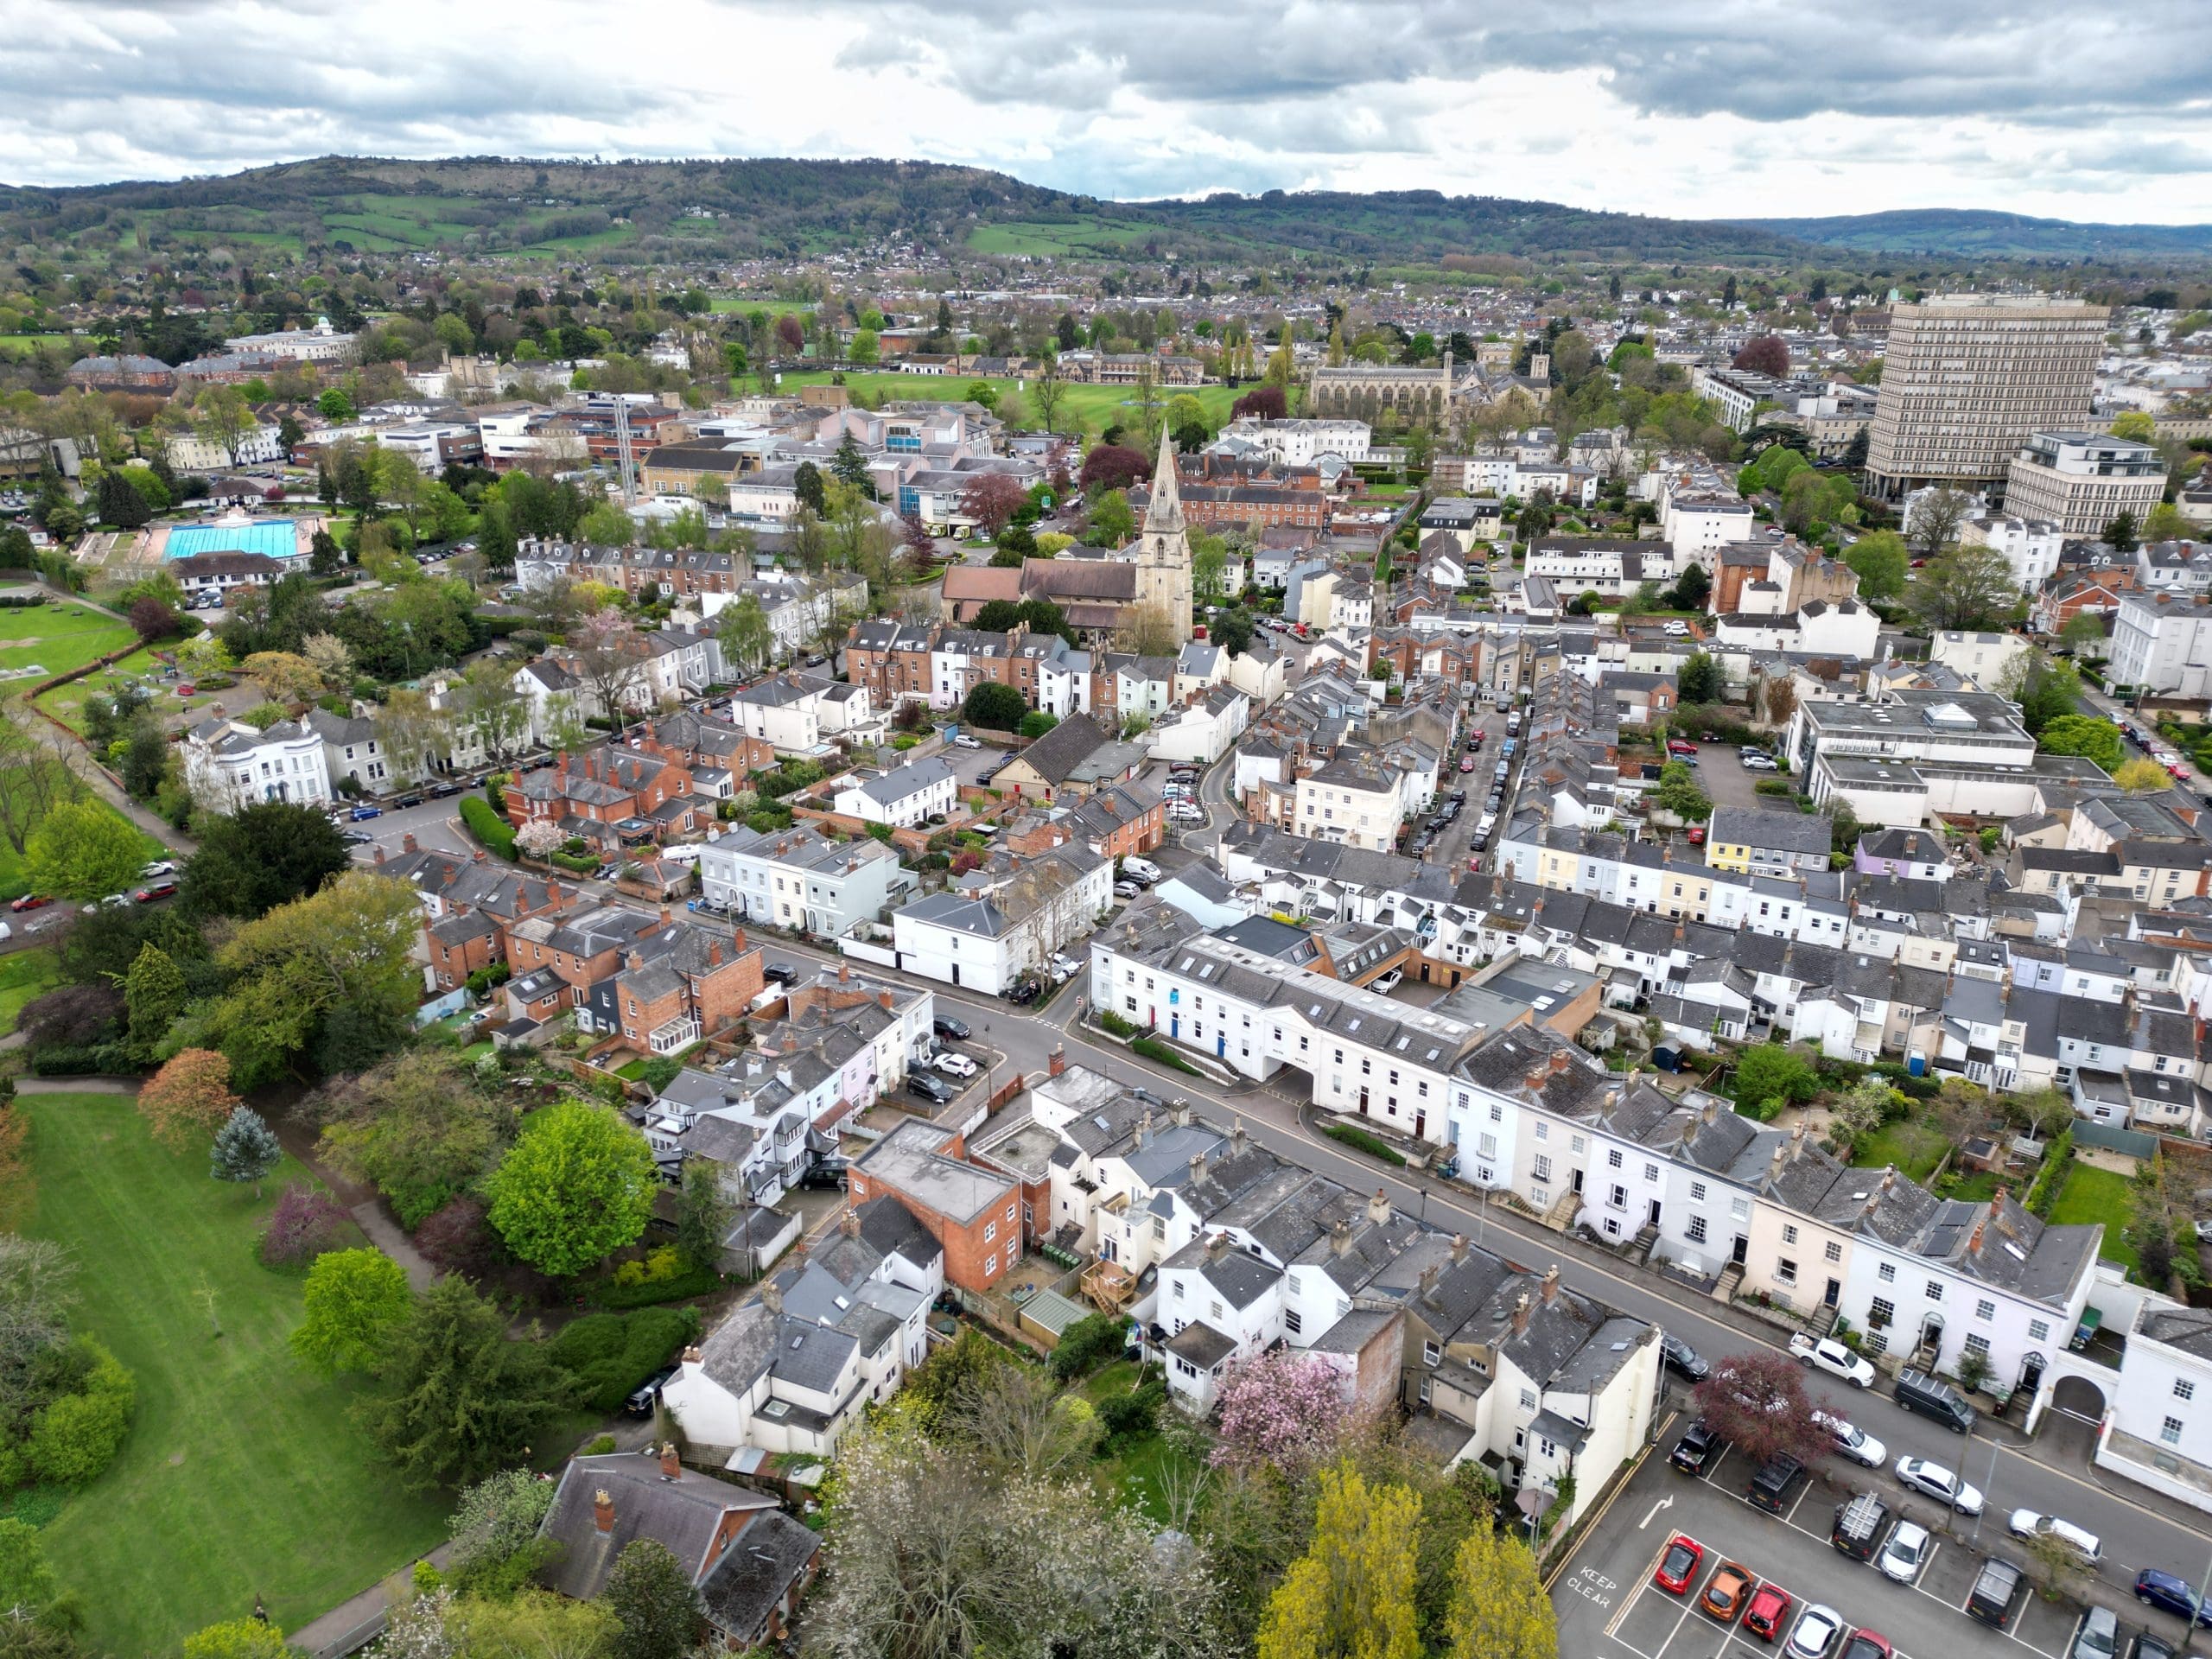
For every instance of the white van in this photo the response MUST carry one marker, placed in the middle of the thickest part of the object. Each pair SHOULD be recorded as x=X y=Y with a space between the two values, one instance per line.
x=1143 y=869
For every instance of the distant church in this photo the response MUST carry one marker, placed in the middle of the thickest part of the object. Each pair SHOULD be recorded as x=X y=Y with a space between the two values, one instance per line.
x=1163 y=559
x=1362 y=391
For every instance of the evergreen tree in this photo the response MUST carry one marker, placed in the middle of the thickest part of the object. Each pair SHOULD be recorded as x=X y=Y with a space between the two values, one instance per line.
x=121 y=506
x=652 y=1597
x=849 y=466
x=155 y=993
x=245 y=1148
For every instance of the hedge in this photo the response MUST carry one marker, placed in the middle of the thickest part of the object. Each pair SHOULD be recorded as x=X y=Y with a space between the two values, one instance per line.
x=1374 y=1145
x=1153 y=1049
x=2043 y=1192
x=100 y=1060
x=487 y=826
x=607 y=1293
x=610 y=1354
x=1114 y=1023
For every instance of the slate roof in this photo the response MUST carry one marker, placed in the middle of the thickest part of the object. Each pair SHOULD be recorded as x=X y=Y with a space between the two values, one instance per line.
x=683 y=1514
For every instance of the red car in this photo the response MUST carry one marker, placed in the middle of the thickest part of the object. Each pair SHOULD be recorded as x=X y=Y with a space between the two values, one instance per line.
x=1678 y=1567
x=1681 y=746
x=1769 y=1611
x=1864 y=1644
x=1466 y=763
x=1475 y=738
x=31 y=901
x=159 y=890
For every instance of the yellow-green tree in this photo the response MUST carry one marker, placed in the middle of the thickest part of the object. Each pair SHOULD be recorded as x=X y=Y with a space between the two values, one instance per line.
x=2138 y=774
x=1280 y=370
x=1351 y=1596
x=1499 y=1610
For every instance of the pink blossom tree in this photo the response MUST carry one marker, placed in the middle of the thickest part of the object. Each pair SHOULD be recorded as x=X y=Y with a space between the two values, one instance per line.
x=1282 y=1410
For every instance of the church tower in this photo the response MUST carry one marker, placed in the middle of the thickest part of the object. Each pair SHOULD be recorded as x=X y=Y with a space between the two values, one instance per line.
x=1164 y=547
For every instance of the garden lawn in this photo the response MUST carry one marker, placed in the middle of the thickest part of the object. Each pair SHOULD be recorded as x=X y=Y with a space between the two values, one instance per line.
x=1139 y=1472
x=24 y=974
x=244 y=1473
x=2092 y=1194
x=57 y=635
x=1915 y=1150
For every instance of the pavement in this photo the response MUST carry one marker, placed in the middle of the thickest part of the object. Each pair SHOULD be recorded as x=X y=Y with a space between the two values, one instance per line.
x=360 y=1619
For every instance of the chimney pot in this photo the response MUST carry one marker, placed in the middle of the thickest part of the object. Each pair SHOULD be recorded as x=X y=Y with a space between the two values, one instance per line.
x=377 y=856
x=694 y=1354
x=671 y=1466
x=665 y=916
x=1056 y=1063
x=602 y=1510
x=1520 y=1315
x=849 y=1223
x=1551 y=1284
x=1378 y=1208
x=407 y=842
x=1459 y=1248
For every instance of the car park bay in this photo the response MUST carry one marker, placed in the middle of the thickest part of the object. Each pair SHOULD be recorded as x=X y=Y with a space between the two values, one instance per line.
x=1609 y=1608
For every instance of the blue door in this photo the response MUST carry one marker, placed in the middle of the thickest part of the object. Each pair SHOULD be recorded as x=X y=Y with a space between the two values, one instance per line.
x=1174 y=1024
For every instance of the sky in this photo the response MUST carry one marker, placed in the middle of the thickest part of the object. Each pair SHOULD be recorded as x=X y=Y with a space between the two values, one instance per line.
x=1683 y=108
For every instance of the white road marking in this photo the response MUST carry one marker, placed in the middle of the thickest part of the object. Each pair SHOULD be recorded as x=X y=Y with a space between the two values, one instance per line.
x=1664 y=1503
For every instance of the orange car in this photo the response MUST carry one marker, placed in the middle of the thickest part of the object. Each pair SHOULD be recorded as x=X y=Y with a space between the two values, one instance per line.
x=1731 y=1587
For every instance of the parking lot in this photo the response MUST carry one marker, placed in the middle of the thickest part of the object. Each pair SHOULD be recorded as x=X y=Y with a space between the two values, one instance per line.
x=1723 y=779
x=1608 y=1604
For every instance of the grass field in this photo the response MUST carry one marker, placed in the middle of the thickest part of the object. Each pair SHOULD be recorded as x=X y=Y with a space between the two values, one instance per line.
x=1092 y=409
x=1060 y=238
x=66 y=703
x=1914 y=1149
x=24 y=345
x=244 y=1473
x=2092 y=1194
x=24 y=974
x=57 y=636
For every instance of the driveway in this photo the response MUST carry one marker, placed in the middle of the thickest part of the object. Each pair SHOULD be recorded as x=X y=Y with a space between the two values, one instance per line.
x=1728 y=783
x=435 y=826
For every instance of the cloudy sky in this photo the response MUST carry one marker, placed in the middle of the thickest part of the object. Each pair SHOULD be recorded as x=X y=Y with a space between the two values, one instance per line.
x=1686 y=107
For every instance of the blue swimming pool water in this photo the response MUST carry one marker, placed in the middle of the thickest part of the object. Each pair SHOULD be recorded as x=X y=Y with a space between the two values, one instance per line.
x=271 y=537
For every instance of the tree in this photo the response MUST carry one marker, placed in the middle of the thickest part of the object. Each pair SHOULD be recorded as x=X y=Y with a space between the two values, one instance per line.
x=150 y=618
x=1113 y=467
x=991 y=500
x=1111 y=522
x=656 y=1610
x=238 y=1638
x=1678 y=793
x=246 y=1149
x=461 y=1398
x=704 y=1215
x=27 y=1579
x=1499 y=1610
x=2121 y=531
x=1351 y=1596
x=266 y=854
x=1691 y=589
x=995 y=707
x=2139 y=775
x=1263 y=402
x=2084 y=631
x=1208 y=568
x=83 y=850
x=1699 y=679
x=283 y=676
x=155 y=993
x=335 y=405
x=609 y=655
x=849 y=466
x=494 y=1531
x=1768 y=355
x=2082 y=734
x=576 y=1187
x=119 y=502
x=2166 y=523
x=2054 y=1563
x=355 y=1301
x=1757 y=1401
x=1879 y=559
x=1935 y=517
x=806 y=485
x=189 y=1096
x=1037 y=722
x=1768 y=1073
x=1231 y=630
x=1971 y=587
x=1280 y=1410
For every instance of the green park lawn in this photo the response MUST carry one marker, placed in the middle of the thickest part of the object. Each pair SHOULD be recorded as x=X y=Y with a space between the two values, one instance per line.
x=2092 y=1194
x=66 y=703
x=24 y=974
x=244 y=1473
x=58 y=635
x=1092 y=409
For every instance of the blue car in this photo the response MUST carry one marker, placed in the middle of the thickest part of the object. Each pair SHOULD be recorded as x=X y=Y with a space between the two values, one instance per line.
x=362 y=814
x=2170 y=1594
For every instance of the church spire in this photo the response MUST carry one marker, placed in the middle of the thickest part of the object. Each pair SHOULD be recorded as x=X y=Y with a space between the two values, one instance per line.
x=1163 y=515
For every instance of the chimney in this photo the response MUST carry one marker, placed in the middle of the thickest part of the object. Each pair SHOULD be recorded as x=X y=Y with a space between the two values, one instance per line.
x=693 y=1354
x=1711 y=1115
x=377 y=856
x=1535 y=1080
x=1218 y=1244
x=671 y=1467
x=1056 y=1062
x=1144 y=1128
x=714 y=953
x=1378 y=1208
x=884 y=999
x=476 y=856
x=1558 y=1062
x=665 y=916
x=1458 y=1248
x=633 y=962
x=849 y=1223
x=1974 y=1243
x=563 y=770
x=1997 y=1204
x=407 y=842
x=1197 y=1168
x=1551 y=1284
x=1181 y=1114
x=737 y=941
x=1427 y=1290
x=1775 y=1163
x=1236 y=1138
x=1520 y=1315
x=844 y=971
x=1339 y=1237
x=602 y=1511
x=771 y=1296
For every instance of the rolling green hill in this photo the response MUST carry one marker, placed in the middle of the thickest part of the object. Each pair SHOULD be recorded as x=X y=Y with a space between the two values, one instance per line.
x=706 y=209
x=1971 y=233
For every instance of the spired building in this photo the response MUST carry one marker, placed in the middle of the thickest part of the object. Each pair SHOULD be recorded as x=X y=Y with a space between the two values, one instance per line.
x=1163 y=563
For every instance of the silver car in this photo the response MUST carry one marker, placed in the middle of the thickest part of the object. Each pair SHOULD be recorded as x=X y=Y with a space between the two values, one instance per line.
x=1853 y=1442
x=1905 y=1553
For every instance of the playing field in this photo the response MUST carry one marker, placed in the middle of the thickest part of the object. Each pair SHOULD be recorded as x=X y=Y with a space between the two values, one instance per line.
x=58 y=635
x=1084 y=409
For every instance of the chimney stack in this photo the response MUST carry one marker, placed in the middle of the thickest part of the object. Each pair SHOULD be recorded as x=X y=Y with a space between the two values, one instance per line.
x=377 y=856
x=771 y=1296
x=1236 y=1138
x=1711 y=1114
x=407 y=842
x=671 y=1467
x=1378 y=1208
x=1427 y=1290
x=1551 y=1284
x=1182 y=1114
x=849 y=1223
x=1558 y=1061
x=1520 y=1315
x=1144 y=1128
x=714 y=953
x=1218 y=1245
x=1339 y=1237
x=665 y=918
x=1458 y=1248
x=602 y=1511
x=694 y=1354
x=1056 y=1062
x=844 y=971
x=1197 y=1168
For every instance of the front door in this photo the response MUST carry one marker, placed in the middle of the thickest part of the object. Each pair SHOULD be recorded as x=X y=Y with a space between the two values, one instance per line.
x=1833 y=1294
x=1362 y=1100
x=1421 y=1123
x=1742 y=1253
x=1578 y=1180
x=1652 y=1220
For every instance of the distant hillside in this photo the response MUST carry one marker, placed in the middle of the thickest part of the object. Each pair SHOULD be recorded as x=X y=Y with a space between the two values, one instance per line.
x=1995 y=235
x=721 y=209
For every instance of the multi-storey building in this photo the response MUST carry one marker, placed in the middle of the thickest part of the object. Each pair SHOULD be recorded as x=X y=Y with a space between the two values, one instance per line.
x=2081 y=481
x=2162 y=644
x=229 y=764
x=1966 y=377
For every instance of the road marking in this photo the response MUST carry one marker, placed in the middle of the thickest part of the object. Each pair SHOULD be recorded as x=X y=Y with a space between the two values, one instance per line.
x=1664 y=1503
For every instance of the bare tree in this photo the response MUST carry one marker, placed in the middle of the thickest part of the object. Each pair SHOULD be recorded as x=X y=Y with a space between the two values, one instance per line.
x=608 y=655
x=1048 y=389
x=1937 y=516
x=40 y=770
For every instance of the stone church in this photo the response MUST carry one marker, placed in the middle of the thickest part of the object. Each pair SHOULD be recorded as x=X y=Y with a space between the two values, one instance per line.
x=1163 y=561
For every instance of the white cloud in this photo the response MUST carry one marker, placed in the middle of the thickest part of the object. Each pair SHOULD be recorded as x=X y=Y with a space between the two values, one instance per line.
x=1722 y=108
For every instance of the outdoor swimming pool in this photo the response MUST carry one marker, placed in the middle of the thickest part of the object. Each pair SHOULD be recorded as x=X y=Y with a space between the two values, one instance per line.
x=270 y=536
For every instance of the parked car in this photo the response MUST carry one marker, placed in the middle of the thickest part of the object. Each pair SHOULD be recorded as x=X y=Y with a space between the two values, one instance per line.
x=967 y=742
x=1678 y=1567
x=1818 y=1627
x=155 y=890
x=1830 y=1355
x=1935 y=1481
x=1760 y=762
x=1854 y=1443
x=781 y=973
x=355 y=838
x=1728 y=1589
x=1026 y=992
x=1699 y=1447
x=1867 y=1644
x=1128 y=890
x=642 y=1398
x=1905 y=1553
x=1681 y=747
x=954 y=1064
x=1065 y=964
x=1684 y=1360
x=30 y=901
x=945 y=1025
x=2098 y=1637
x=2147 y=1646
x=1768 y=1612
x=825 y=1172
x=400 y=804
x=2027 y=1524
x=159 y=866
x=1466 y=763
x=2170 y=1594
x=929 y=1088
x=363 y=814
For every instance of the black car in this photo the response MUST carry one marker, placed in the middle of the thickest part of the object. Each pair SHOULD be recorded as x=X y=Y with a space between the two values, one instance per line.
x=441 y=791
x=1698 y=1449
x=401 y=802
x=929 y=1088
x=641 y=1402
x=1685 y=1360
x=826 y=1173
x=1026 y=992
x=782 y=972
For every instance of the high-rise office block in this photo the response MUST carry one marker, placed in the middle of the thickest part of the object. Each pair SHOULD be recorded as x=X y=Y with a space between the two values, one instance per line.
x=1967 y=377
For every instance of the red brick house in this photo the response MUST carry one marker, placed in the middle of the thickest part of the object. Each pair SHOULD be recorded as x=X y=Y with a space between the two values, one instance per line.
x=973 y=1212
